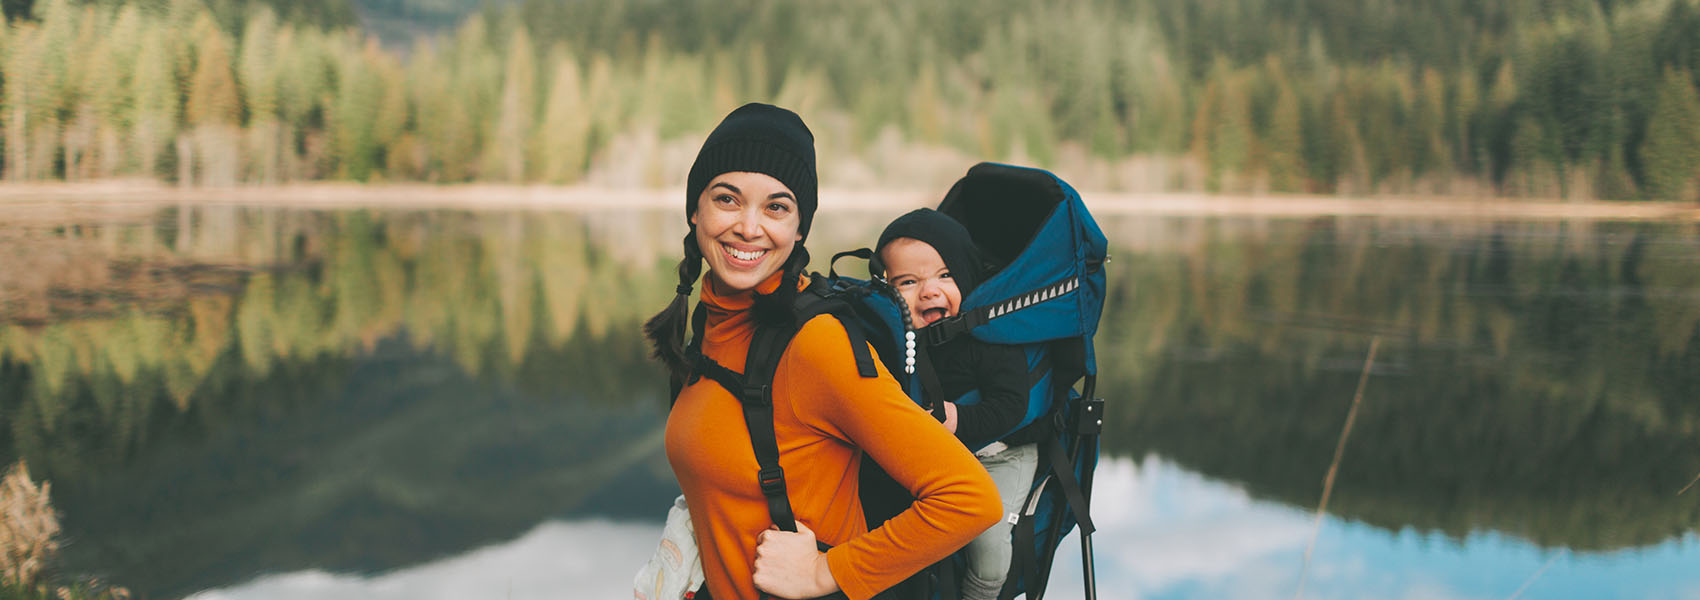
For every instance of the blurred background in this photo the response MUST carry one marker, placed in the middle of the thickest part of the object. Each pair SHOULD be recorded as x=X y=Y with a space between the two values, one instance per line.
x=341 y=299
x=1575 y=99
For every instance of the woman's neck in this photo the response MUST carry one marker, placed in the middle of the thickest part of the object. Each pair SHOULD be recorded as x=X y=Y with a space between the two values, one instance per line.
x=767 y=286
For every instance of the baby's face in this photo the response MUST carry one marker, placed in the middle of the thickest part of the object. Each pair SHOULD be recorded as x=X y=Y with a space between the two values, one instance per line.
x=921 y=277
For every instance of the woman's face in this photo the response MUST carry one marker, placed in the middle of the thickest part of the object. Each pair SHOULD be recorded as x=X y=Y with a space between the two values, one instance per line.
x=746 y=228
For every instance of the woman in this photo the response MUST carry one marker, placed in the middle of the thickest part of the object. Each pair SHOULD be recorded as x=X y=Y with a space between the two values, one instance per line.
x=749 y=200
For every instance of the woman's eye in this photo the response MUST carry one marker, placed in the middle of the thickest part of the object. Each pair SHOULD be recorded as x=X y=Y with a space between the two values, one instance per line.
x=724 y=199
x=779 y=207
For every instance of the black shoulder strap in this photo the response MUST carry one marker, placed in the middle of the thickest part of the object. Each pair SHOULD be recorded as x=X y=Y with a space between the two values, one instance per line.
x=693 y=355
x=754 y=388
x=754 y=391
x=931 y=390
x=757 y=397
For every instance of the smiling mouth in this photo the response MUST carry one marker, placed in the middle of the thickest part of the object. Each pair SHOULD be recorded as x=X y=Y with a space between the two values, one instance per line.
x=930 y=315
x=744 y=255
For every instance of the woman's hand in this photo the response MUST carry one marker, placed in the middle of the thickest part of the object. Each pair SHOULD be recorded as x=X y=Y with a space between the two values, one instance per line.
x=950 y=417
x=789 y=566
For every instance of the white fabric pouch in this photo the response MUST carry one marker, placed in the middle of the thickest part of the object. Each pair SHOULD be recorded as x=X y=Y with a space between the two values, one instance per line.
x=676 y=568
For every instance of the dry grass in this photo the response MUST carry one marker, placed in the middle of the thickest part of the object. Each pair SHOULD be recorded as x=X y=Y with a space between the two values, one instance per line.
x=1334 y=467
x=1531 y=580
x=28 y=527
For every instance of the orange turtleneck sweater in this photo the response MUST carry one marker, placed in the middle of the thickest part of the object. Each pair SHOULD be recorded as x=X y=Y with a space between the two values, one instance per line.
x=825 y=416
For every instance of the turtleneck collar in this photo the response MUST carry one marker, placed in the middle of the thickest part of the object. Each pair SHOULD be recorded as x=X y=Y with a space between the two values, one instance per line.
x=734 y=308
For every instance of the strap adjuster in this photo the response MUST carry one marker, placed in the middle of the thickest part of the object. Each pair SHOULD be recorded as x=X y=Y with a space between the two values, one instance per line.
x=772 y=481
x=756 y=394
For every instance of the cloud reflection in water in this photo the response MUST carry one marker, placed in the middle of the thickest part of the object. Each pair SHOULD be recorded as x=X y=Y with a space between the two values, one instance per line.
x=1164 y=532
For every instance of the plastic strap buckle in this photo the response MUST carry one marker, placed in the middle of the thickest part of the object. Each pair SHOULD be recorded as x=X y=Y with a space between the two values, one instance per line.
x=772 y=481
x=945 y=330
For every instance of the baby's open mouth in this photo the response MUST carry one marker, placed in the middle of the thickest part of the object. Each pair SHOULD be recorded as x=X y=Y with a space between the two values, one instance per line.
x=929 y=315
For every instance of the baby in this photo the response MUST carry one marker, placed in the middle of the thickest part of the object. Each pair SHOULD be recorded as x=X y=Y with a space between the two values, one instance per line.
x=933 y=263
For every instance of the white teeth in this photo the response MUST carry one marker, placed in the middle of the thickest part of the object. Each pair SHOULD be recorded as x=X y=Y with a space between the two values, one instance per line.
x=741 y=255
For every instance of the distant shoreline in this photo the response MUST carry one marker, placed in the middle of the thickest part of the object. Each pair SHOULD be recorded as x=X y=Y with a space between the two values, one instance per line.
x=140 y=193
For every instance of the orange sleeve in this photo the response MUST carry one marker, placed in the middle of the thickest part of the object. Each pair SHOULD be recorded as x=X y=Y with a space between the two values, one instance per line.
x=956 y=499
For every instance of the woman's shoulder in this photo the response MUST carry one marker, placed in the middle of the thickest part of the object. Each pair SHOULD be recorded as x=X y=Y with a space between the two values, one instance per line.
x=822 y=335
x=823 y=347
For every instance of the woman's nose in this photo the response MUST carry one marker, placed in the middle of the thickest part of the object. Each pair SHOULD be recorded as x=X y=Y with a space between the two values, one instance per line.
x=749 y=224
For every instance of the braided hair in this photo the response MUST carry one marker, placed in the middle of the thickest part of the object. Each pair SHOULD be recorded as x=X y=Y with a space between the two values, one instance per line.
x=666 y=330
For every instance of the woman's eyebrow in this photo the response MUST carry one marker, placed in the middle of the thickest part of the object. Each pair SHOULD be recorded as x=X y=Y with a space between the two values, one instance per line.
x=785 y=195
x=728 y=186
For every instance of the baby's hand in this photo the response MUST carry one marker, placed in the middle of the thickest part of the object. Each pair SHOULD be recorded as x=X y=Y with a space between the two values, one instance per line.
x=950 y=417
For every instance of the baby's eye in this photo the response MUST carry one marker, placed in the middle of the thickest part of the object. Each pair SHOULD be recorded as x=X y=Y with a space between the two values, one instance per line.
x=944 y=275
x=903 y=281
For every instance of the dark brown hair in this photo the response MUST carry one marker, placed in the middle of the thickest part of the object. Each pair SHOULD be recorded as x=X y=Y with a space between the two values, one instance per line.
x=666 y=330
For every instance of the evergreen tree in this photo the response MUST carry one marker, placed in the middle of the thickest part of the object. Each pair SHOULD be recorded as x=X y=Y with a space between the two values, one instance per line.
x=354 y=113
x=212 y=90
x=257 y=70
x=394 y=110
x=28 y=109
x=157 y=98
x=304 y=75
x=112 y=83
x=474 y=97
x=1283 y=143
x=258 y=66
x=1427 y=131
x=506 y=152
x=79 y=88
x=1222 y=130
x=1670 y=156
x=213 y=109
x=566 y=121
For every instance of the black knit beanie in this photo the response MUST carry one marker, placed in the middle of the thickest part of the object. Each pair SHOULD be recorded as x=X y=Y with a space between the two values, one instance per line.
x=759 y=138
x=946 y=236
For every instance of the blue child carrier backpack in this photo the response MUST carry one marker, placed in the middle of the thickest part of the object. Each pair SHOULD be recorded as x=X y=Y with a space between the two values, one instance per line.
x=1046 y=298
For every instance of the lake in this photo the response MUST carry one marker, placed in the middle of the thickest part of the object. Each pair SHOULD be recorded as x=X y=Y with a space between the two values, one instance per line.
x=248 y=402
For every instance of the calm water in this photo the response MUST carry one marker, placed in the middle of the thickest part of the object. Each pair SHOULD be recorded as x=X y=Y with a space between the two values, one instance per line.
x=238 y=402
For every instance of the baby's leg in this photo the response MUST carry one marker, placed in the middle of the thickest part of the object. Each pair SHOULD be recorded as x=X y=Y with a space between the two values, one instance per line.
x=988 y=555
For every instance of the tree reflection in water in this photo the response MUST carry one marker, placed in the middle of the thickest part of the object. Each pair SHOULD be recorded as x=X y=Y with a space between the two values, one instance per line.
x=223 y=391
